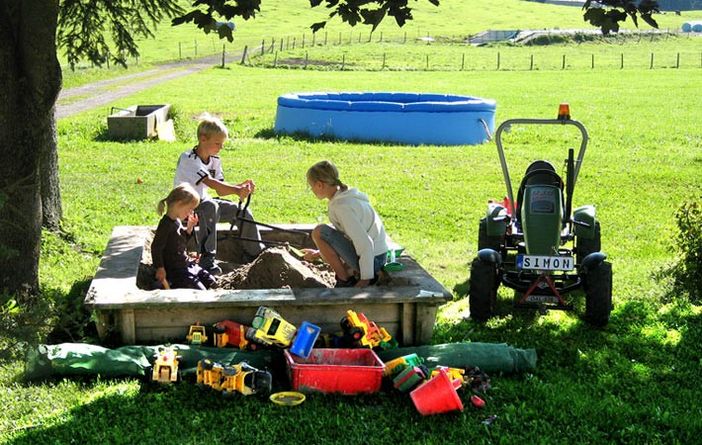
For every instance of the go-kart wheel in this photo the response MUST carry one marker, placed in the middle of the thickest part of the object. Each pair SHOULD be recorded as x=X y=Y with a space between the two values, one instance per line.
x=484 y=281
x=485 y=241
x=598 y=294
x=585 y=247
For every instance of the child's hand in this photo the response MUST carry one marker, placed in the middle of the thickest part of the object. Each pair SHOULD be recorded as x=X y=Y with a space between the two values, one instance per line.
x=160 y=274
x=193 y=220
x=245 y=189
x=310 y=254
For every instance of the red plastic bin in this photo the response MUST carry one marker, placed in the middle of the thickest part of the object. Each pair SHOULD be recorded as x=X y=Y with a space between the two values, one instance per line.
x=345 y=371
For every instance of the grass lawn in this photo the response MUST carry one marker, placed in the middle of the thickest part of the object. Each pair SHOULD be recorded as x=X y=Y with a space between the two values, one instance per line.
x=292 y=19
x=634 y=382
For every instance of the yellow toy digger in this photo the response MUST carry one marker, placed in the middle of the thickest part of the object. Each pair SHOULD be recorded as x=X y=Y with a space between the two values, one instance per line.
x=241 y=377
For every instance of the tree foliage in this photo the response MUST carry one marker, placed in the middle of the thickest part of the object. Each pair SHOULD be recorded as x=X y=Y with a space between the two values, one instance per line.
x=84 y=27
x=608 y=14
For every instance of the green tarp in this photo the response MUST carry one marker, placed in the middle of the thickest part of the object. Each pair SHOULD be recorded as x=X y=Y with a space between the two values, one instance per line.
x=75 y=359
x=70 y=359
x=489 y=357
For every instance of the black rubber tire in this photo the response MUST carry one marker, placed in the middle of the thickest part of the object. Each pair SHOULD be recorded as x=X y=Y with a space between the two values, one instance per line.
x=598 y=294
x=482 y=292
x=485 y=241
x=585 y=247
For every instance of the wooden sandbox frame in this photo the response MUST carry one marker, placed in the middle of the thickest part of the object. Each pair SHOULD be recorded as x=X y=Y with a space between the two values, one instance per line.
x=406 y=308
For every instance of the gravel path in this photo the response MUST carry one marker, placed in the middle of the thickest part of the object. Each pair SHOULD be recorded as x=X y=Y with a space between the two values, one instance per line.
x=103 y=92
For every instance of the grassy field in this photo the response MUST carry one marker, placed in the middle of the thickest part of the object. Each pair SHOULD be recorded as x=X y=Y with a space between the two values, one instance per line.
x=291 y=19
x=634 y=382
x=669 y=51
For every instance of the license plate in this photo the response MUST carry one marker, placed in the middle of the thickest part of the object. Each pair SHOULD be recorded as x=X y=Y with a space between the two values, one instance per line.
x=537 y=262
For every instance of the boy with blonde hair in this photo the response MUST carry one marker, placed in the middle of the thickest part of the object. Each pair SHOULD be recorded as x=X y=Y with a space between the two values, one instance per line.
x=201 y=167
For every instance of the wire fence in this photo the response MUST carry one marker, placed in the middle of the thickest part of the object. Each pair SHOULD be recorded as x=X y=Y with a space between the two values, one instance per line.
x=425 y=53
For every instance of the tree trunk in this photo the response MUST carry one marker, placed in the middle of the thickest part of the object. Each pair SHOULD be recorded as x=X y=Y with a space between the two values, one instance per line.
x=30 y=79
x=49 y=173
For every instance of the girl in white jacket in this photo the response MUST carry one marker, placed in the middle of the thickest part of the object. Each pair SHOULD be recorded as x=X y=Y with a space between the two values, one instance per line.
x=357 y=238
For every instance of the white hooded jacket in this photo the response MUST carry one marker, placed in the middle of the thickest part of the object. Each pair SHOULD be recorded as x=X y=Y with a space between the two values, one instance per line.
x=351 y=213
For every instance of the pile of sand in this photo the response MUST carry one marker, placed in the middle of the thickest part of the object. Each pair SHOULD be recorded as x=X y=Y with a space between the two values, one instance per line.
x=276 y=268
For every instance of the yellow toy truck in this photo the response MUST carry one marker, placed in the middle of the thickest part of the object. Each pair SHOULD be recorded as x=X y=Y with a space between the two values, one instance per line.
x=366 y=333
x=242 y=378
x=197 y=335
x=269 y=328
x=231 y=333
x=165 y=368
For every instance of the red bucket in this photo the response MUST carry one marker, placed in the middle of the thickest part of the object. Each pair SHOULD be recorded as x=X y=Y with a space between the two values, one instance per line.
x=437 y=396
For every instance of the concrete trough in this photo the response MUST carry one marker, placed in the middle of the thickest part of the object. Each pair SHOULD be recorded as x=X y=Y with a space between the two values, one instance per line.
x=137 y=121
x=406 y=306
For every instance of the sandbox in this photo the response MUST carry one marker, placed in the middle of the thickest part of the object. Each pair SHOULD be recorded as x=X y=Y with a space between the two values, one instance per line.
x=406 y=118
x=405 y=305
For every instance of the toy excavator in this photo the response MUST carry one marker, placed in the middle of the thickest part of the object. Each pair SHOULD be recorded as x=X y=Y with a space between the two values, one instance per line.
x=242 y=378
x=366 y=333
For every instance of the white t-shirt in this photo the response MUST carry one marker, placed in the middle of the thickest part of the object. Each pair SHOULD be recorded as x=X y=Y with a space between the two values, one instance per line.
x=192 y=170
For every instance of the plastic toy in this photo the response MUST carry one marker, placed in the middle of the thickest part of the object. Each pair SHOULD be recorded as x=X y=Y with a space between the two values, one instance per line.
x=287 y=398
x=365 y=332
x=165 y=369
x=242 y=378
x=400 y=363
x=453 y=373
x=197 y=335
x=536 y=245
x=269 y=328
x=437 y=396
x=410 y=377
x=231 y=333
x=305 y=339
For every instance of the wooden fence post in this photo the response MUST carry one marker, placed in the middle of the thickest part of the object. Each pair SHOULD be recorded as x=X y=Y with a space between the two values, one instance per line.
x=531 y=62
x=180 y=50
x=621 y=65
x=263 y=46
x=498 y=60
x=592 y=62
x=463 y=61
x=343 y=61
x=677 y=61
x=564 y=62
x=223 y=52
x=243 y=55
x=651 y=64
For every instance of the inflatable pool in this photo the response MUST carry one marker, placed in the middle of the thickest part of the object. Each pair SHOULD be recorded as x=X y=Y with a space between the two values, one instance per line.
x=406 y=118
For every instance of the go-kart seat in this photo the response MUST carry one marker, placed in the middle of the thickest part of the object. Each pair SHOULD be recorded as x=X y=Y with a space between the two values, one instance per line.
x=538 y=173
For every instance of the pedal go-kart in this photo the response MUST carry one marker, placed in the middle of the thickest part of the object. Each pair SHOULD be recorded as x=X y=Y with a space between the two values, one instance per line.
x=536 y=245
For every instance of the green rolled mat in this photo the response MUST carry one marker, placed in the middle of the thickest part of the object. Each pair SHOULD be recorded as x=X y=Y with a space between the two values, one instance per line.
x=489 y=357
x=75 y=359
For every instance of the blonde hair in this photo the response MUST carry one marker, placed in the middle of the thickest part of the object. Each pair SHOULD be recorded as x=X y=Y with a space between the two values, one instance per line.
x=327 y=173
x=211 y=125
x=184 y=193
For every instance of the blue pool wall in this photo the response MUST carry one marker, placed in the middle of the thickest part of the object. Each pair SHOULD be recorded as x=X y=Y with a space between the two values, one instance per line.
x=405 y=118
